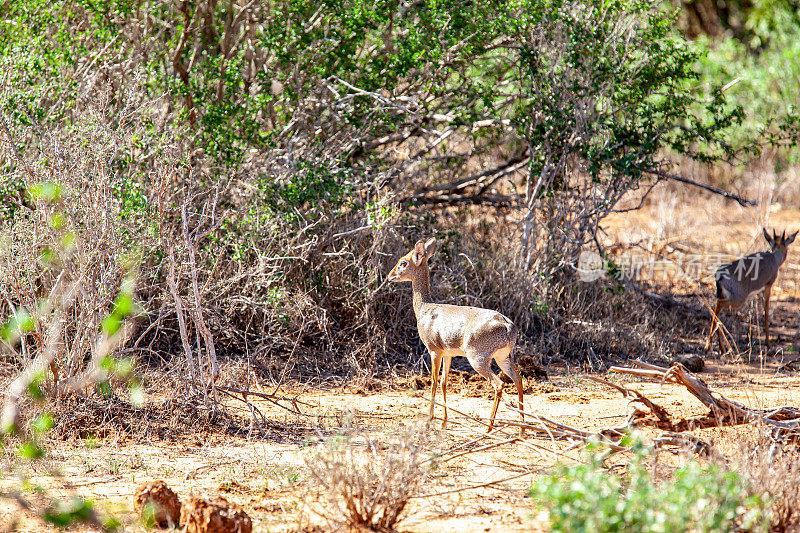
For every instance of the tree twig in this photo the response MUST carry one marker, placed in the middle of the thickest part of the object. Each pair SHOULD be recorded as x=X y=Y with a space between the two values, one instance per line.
x=744 y=202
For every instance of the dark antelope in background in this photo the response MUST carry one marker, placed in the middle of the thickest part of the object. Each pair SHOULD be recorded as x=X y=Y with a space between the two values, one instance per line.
x=738 y=280
x=448 y=331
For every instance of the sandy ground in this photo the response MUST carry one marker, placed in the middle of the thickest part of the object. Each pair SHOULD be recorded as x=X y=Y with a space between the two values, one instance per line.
x=483 y=490
x=270 y=479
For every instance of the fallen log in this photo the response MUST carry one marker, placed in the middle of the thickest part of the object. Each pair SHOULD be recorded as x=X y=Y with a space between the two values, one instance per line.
x=724 y=410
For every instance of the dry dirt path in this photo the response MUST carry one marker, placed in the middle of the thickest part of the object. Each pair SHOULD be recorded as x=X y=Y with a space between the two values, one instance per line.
x=269 y=477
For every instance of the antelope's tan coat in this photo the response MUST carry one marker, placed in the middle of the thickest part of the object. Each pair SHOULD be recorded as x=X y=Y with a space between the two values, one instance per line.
x=448 y=331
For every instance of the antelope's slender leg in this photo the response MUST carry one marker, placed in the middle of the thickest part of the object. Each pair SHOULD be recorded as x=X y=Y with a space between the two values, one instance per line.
x=445 y=372
x=507 y=366
x=714 y=327
x=498 y=393
x=436 y=363
x=767 y=291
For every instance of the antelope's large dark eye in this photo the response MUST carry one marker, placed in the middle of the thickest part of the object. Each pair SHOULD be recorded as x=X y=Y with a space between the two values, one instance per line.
x=403 y=263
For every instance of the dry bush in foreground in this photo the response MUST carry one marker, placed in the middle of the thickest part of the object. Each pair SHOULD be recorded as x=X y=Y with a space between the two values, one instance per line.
x=71 y=236
x=366 y=483
x=772 y=469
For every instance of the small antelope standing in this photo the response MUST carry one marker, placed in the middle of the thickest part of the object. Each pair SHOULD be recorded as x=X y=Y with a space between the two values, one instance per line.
x=738 y=280
x=447 y=331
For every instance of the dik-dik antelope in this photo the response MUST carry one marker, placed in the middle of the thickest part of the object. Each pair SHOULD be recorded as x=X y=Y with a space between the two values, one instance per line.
x=447 y=331
x=738 y=280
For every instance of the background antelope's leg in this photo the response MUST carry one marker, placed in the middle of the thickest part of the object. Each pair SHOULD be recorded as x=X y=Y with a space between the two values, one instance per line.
x=767 y=291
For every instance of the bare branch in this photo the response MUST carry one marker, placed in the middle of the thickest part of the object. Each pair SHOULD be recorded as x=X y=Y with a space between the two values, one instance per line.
x=744 y=202
x=723 y=409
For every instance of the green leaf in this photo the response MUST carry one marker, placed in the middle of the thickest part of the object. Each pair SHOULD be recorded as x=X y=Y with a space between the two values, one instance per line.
x=124 y=367
x=108 y=364
x=68 y=240
x=34 y=387
x=20 y=323
x=111 y=324
x=43 y=423
x=48 y=256
x=123 y=307
x=148 y=515
x=30 y=451
x=111 y=524
x=67 y=513
x=46 y=191
x=56 y=221
x=136 y=395
x=10 y=428
x=104 y=389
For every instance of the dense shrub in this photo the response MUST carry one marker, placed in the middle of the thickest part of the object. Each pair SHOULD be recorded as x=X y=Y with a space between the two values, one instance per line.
x=606 y=88
x=71 y=247
x=588 y=497
x=283 y=151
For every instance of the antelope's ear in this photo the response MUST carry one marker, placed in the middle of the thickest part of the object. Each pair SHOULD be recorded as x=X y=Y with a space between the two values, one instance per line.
x=790 y=239
x=418 y=255
x=430 y=247
x=770 y=240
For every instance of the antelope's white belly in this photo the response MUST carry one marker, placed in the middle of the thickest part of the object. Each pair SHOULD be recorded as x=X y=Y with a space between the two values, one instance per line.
x=453 y=352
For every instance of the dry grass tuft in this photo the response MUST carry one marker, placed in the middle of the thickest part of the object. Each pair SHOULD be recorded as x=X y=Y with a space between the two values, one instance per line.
x=365 y=483
x=772 y=468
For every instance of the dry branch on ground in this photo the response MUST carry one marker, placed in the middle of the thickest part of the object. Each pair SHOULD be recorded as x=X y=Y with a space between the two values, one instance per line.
x=723 y=410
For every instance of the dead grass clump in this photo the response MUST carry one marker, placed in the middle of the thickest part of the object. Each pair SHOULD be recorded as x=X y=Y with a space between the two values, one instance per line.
x=772 y=468
x=157 y=504
x=366 y=483
x=172 y=420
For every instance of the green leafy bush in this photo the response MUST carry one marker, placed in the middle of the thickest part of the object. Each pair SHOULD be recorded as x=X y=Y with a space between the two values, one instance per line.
x=762 y=71
x=606 y=89
x=588 y=497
